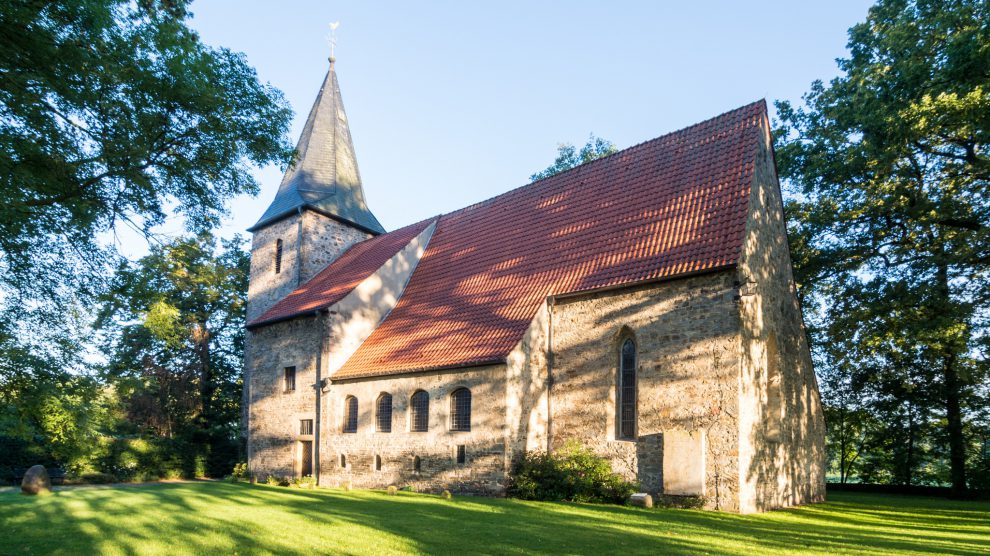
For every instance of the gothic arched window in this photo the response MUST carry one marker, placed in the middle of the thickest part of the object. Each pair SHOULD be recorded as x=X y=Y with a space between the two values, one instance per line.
x=278 y=256
x=419 y=404
x=460 y=410
x=383 y=413
x=350 y=414
x=627 y=389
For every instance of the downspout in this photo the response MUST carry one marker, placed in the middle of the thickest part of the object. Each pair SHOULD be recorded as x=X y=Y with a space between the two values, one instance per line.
x=324 y=325
x=550 y=303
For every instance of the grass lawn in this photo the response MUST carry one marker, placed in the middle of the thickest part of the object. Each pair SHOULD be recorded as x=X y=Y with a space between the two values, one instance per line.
x=222 y=518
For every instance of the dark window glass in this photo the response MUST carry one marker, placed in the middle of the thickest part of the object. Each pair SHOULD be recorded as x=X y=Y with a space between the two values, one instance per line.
x=306 y=426
x=278 y=256
x=460 y=410
x=289 y=379
x=417 y=464
x=461 y=454
x=343 y=460
x=378 y=463
x=350 y=414
x=383 y=413
x=627 y=390
x=420 y=407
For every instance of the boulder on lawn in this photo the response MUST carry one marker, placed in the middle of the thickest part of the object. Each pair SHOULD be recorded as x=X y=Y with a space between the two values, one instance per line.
x=36 y=481
x=641 y=499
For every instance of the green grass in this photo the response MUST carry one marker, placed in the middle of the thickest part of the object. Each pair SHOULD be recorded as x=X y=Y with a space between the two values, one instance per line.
x=221 y=518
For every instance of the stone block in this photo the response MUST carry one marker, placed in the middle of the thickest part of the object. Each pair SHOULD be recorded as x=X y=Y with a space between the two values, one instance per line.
x=641 y=499
x=36 y=481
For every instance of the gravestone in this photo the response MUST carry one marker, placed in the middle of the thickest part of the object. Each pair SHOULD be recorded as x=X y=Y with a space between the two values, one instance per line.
x=641 y=499
x=36 y=481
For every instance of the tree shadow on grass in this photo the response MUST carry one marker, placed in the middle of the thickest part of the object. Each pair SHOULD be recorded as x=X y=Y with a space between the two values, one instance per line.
x=225 y=518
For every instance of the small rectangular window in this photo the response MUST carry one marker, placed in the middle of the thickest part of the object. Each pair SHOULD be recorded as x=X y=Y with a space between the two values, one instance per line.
x=461 y=454
x=343 y=461
x=306 y=426
x=289 y=379
x=278 y=256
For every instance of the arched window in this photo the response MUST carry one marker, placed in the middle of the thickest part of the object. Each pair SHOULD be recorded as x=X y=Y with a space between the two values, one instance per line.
x=278 y=256
x=350 y=414
x=383 y=413
x=627 y=390
x=417 y=464
x=378 y=463
x=419 y=418
x=460 y=410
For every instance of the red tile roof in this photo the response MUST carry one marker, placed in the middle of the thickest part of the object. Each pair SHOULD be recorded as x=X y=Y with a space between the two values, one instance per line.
x=341 y=276
x=670 y=206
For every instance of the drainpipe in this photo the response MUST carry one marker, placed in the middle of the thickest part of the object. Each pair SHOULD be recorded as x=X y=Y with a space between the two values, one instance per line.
x=550 y=303
x=324 y=324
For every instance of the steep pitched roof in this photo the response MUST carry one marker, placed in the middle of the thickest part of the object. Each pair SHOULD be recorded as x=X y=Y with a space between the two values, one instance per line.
x=325 y=177
x=674 y=205
x=335 y=281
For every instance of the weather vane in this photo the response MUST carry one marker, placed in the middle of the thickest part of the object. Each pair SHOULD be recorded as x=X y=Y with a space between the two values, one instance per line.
x=332 y=39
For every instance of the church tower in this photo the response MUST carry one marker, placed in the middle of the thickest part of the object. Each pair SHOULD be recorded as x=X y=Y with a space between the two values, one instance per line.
x=319 y=210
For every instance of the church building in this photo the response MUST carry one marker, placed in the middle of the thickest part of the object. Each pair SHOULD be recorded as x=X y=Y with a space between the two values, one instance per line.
x=642 y=305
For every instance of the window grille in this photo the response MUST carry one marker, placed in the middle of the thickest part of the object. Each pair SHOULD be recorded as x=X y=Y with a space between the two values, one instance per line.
x=350 y=414
x=420 y=406
x=289 y=379
x=306 y=426
x=460 y=410
x=383 y=413
x=627 y=390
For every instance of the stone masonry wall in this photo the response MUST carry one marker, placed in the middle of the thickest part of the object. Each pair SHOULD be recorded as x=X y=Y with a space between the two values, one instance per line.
x=687 y=337
x=781 y=444
x=484 y=471
x=325 y=239
x=273 y=413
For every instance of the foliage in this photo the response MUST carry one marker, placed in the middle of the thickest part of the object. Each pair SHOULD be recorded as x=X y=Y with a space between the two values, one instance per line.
x=392 y=490
x=176 y=319
x=240 y=472
x=568 y=156
x=223 y=518
x=888 y=171
x=682 y=502
x=573 y=473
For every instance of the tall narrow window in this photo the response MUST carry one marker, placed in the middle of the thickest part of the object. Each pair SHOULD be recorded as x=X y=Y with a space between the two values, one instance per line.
x=306 y=426
x=774 y=406
x=343 y=461
x=627 y=390
x=461 y=454
x=419 y=420
x=383 y=413
x=460 y=410
x=278 y=256
x=350 y=414
x=378 y=463
x=417 y=464
x=289 y=379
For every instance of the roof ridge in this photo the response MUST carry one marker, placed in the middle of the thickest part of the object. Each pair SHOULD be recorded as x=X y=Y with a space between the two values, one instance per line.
x=589 y=163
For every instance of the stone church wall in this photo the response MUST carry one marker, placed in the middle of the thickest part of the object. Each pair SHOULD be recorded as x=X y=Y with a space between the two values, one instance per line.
x=781 y=426
x=485 y=443
x=687 y=337
x=273 y=413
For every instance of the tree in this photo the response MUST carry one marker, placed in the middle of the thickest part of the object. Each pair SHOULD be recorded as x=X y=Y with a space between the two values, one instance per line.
x=889 y=170
x=176 y=319
x=113 y=112
x=568 y=156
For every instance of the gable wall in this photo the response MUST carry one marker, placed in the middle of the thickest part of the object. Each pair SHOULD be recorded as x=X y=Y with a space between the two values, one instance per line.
x=687 y=336
x=783 y=467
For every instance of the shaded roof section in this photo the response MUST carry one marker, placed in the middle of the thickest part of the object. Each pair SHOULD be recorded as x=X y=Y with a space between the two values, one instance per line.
x=325 y=176
x=340 y=277
x=674 y=205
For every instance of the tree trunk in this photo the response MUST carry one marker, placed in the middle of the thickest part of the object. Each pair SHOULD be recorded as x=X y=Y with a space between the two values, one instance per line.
x=952 y=390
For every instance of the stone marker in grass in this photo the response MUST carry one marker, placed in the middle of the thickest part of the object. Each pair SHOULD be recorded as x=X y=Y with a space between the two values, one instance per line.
x=36 y=481
x=641 y=499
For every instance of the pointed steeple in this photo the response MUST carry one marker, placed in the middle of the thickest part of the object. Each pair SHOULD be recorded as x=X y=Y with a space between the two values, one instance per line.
x=325 y=177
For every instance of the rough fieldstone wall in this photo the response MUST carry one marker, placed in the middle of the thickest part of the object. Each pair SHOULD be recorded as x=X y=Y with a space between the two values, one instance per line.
x=783 y=467
x=274 y=415
x=265 y=287
x=687 y=337
x=485 y=443
x=325 y=239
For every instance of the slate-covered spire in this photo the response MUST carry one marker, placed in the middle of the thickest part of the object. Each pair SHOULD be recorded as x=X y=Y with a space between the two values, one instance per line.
x=325 y=177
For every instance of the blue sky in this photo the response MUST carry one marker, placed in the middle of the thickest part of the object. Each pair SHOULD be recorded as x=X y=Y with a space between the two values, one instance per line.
x=453 y=102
